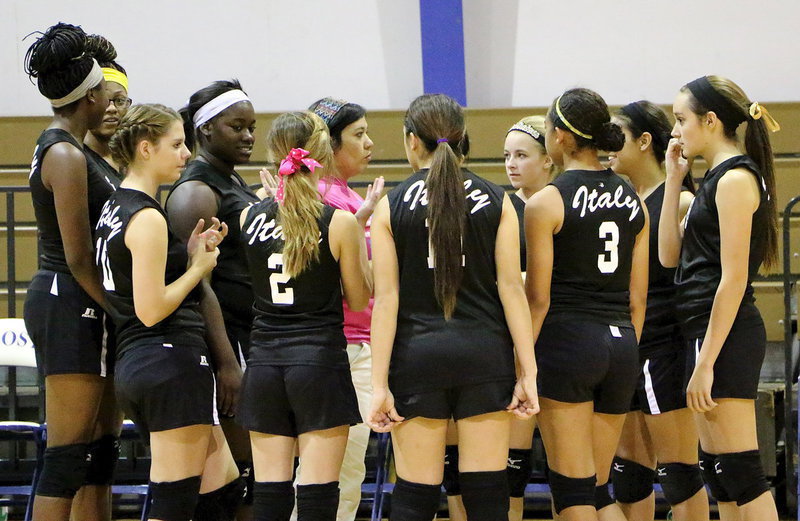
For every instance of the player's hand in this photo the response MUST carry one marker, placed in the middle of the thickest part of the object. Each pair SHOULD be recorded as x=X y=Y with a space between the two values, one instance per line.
x=382 y=414
x=698 y=392
x=374 y=191
x=525 y=402
x=202 y=245
x=229 y=379
x=677 y=166
x=269 y=184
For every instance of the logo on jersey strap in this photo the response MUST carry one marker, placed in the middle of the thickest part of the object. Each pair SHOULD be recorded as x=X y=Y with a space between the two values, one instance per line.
x=90 y=313
x=592 y=201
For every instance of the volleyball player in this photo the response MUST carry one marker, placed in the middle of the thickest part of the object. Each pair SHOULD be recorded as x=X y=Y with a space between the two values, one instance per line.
x=63 y=311
x=297 y=390
x=449 y=316
x=164 y=379
x=219 y=120
x=529 y=169
x=352 y=152
x=587 y=287
x=728 y=232
x=660 y=428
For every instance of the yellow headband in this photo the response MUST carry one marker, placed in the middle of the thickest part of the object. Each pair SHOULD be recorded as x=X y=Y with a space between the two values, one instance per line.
x=758 y=111
x=567 y=123
x=116 y=76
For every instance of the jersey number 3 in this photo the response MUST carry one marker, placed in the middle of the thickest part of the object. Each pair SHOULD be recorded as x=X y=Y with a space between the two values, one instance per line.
x=608 y=261
x=280 y=295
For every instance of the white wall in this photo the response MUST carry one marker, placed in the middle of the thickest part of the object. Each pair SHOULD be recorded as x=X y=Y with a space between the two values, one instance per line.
x=286 y=54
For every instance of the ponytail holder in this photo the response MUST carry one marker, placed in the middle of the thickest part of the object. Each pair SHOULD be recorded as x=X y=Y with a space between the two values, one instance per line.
x=758 y=112
x=294 y=161
x=442 y=140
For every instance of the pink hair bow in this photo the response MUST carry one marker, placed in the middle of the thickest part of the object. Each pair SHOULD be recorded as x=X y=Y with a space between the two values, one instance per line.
x=294 y=161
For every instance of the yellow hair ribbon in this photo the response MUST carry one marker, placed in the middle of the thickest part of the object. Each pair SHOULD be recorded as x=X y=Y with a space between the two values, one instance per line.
x=757 y=112
x=567 y=123
x=116 y=76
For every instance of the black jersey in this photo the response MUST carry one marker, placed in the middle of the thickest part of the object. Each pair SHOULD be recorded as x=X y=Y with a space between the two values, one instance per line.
x=519 y=206
x=297 y=321
x=593 y=251
x=700 y=269
x=51 y=246
x=101 y=166
x=474 y=345
x=230 y=279
x=660 y=320
x=116 y=264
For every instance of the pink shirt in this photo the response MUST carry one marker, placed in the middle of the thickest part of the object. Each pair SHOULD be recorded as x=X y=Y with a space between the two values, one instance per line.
x=337 y=194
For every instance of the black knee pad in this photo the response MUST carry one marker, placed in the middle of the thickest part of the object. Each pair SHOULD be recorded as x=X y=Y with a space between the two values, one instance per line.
x=519 y=471
x=63 y=471
x=679 y=481
x=632 y=482
x=247 y=474
x=708 y=467
x=220 y=504
x=485 y=495
x=570 y=492
x=450 y=483
x=742 y=476
x=174 y=500
x=103 y=456
x=414 y=501
x=273 y=500
x=317 y=502
x=602 y=497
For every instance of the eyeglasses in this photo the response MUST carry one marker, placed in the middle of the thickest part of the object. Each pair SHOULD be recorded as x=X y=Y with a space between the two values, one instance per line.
x=121 y=103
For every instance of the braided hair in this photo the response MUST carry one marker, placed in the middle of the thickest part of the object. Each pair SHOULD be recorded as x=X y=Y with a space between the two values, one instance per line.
x=59 y=60
x=142 y=122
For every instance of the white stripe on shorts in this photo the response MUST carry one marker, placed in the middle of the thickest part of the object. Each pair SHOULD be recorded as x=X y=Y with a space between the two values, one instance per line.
x=214 y=413
x=696 y=350
x=54 y=285
x=104 y=350
x=648 y=389
x=242 y=361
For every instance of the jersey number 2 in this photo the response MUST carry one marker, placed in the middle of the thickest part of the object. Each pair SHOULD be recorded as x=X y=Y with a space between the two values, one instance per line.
x=608 y=261
x=280 y=295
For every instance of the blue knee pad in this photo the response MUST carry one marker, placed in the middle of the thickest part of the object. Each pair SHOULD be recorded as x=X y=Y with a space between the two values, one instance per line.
x=519 y=471
x=679 y=481
x=742 y=476
x=220 y=504
x=103 y=456
x=63 y=471
x=450 y=483
x=414 y=501
x=570 y=492
x=632 y=482
x=708 y=467
x=174 y=500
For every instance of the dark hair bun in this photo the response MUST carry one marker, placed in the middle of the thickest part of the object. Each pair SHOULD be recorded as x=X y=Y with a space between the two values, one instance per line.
x=56 y=49
x=609 y=137
x=99 y=47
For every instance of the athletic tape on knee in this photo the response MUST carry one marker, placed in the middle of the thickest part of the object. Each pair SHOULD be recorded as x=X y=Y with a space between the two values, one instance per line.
x=63 y=471
x=317 y=502
x=450 y=483
x=742 y=476
x=174 y=500
x=485 y=495
x=103 y=456
x=273 y=500
x=570 y=492
x=247 y=474
x=519 y=471
x=632 y=482
x=602 y=497
x=414 y=501
x=708 y=467
x=679 y=481
x=220 y=504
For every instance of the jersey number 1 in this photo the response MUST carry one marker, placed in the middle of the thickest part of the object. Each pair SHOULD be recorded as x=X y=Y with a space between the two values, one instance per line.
x=608 y=261
x=101 y=260
x=280 y=295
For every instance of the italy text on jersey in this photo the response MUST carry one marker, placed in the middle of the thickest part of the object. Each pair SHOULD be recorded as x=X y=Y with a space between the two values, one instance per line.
x=418 y=194
x=263 y=230
x=594 y=200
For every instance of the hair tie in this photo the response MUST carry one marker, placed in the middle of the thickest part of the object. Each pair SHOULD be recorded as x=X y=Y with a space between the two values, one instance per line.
x=442 y=140
x=567 y=123
x=527 y=129
x=757 y=112
x=295 y=160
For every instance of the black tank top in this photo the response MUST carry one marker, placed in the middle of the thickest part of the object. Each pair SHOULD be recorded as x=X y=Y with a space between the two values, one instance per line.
x=593 y=251
x=660 y=320
x=474 y=345
x=101 y=166
x=700 y=269
x=51 y=246
x=230 y=279
x=519 y=206
x=116 y=265
x=298 y=321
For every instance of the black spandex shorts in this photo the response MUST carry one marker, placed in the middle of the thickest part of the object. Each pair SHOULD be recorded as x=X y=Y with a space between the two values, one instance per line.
x=67 y=327
x=588 y=362
x=662 y=384
x=457 y=402
x=295 y=399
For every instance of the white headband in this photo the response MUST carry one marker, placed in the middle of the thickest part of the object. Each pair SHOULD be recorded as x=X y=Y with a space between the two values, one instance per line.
x=217 y=105
x=94 y=77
